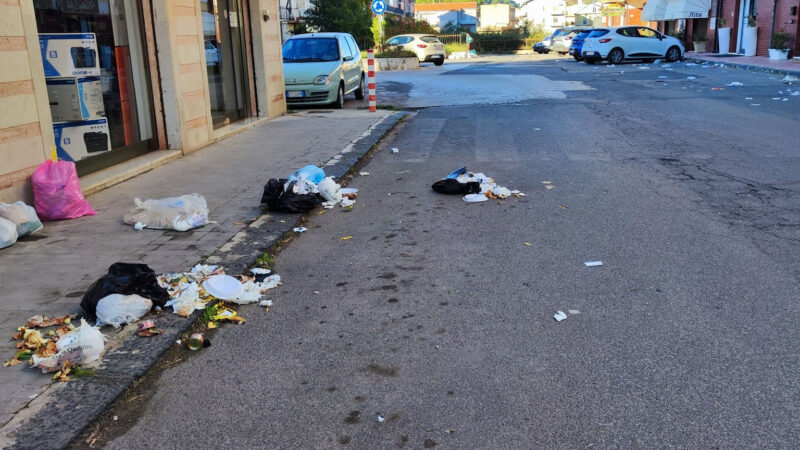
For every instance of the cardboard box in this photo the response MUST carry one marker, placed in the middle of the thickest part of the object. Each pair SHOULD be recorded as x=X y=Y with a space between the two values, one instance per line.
x=80 y=140
x=69 y=54
x=75 y=98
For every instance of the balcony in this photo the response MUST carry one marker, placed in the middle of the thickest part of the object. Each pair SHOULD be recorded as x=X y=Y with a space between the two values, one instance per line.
x=290 y=15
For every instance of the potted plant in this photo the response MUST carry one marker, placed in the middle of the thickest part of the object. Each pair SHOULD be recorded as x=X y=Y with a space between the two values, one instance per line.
x=699 y=43
x=778 y=49
x=750 y=36
x=723 y=37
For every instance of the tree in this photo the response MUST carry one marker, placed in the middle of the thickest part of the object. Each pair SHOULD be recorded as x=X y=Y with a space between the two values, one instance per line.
x=345 y=16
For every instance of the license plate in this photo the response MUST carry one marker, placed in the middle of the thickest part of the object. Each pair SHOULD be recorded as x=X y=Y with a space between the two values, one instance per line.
x=295 y=94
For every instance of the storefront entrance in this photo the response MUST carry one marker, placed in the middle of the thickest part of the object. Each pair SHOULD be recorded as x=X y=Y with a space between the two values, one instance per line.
x=97 y=78
x=226 y=60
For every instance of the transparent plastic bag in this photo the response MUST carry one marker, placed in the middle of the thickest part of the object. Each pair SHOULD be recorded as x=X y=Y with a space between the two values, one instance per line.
x=118 y=309
x=24 y=216
x=82 y=345
x=8 y=233
x=175 y=213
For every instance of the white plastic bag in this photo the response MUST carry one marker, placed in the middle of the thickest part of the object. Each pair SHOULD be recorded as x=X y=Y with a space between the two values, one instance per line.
x=187 y=301
x=118 y=309
x=177 y=213
x=330 y=191
x=24 y=216
x=80 y=346
x=8 y=233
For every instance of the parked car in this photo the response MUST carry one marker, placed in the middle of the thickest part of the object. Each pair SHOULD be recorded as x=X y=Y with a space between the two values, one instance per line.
x=543 y=46
x=562 y=38
x=321 y=68
x=577 y=43
x=633 y=42
x=427 y=47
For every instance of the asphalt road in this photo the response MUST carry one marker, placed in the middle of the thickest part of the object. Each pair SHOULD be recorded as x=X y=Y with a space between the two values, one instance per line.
x=438 y=317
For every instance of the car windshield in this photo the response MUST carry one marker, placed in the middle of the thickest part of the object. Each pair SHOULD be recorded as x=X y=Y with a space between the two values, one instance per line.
x=559 y=32
x=310 y=50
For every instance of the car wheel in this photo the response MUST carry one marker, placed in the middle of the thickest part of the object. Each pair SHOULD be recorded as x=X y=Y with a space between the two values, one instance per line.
x=360 y=91
x=673 y=54
x=339 y=103
x=438 y=62
x=615 y=56
x=577 y=58
x=590 y=61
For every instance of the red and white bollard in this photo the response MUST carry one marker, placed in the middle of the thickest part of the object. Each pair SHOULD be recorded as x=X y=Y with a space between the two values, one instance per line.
x=371 y=80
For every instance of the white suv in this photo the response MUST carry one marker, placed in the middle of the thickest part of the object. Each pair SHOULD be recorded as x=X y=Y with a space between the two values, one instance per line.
x=634 y=42
x=427 y=47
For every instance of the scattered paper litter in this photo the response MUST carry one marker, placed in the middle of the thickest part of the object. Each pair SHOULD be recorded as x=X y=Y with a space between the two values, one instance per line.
x=139 y=226
x=573 y=311
x=260 y=271
x=593 y=263
x=776 y=98
x=691 y=78
x=475 y=198
x=559 y=316
x=785 y=100
x=266 y=303
x=790 y=79
x=395 y=149
x=299 y=229
x=735 y=83
x=748 y=98
x=380 y=419
x=363 y=174
x=796 y=93
x=662 y=77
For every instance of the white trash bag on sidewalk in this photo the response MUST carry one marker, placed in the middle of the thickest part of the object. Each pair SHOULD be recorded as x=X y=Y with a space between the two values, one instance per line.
x=80 y=346
x=24 y=216
x=8 y=233
x=175 y=213
x=118 y=309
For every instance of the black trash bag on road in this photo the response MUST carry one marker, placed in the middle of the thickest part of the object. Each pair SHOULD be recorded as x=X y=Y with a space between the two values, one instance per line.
x=125 y=279
x=453 y=187
x=276 y=199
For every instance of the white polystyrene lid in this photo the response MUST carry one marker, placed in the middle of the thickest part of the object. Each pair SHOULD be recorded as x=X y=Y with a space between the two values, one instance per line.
x=223 y=287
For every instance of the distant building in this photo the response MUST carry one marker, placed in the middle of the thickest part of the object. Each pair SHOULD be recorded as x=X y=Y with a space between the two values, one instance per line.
x=496 y=17
x=291 y=14
x=403 y=8
x=463 y=15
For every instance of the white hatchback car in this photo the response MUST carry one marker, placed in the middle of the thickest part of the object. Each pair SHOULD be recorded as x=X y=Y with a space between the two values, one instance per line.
x=617 y=44
x=427 y=47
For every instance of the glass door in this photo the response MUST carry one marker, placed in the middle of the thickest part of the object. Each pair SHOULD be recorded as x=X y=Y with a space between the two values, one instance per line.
x=223 y=33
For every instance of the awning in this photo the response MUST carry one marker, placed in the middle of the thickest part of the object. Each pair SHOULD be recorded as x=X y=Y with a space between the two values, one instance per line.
x=675 y=9
x=654 y=10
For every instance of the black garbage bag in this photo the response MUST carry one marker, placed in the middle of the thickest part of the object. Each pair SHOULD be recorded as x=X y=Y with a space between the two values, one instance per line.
x=453 y=187
x=126 y=279
x=276 y=199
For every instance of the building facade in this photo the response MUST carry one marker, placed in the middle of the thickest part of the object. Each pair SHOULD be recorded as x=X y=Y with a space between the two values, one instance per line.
x=701 y=19
x=496 y=17
x=101 y=82
x=463 y=15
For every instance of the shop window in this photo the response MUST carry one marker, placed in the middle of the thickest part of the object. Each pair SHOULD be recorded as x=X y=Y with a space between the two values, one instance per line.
x=97 y=80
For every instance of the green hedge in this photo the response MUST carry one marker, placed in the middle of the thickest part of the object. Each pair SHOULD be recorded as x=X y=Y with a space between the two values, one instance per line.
x=396 y=53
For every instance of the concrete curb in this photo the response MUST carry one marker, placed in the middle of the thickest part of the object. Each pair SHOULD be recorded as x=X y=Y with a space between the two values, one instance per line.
x=748 y=67
x=65 y=410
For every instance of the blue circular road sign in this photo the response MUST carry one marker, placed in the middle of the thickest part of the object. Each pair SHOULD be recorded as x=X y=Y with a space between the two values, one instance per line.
x=378 y=6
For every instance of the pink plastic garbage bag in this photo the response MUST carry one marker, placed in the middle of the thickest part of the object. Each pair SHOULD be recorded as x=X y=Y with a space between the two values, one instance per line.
x=57 y=192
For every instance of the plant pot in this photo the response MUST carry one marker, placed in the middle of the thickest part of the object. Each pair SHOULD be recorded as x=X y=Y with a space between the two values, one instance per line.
x=775 y=53
x=724 y=40
x=699 y=46
x=750 y=40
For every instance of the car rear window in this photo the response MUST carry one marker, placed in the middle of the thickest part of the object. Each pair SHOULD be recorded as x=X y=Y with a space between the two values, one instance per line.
x=559 y=32
x=430 y=39
x=598 y=33
x=311 y=50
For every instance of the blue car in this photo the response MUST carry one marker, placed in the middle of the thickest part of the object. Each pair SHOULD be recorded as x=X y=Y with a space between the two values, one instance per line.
x=577 y=43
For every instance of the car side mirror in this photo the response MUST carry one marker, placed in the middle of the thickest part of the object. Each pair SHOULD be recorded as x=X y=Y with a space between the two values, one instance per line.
x=347 y=58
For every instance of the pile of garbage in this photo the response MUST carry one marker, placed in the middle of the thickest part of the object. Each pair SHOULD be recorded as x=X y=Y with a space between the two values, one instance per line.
x=60 y=349
x=303 y=190
x=475 y=187
x=174 y=213
x=194 y=290
x=17 y=220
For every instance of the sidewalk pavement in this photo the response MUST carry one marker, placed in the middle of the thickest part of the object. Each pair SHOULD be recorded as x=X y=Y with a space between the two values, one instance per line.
x=48 y=273
x=753 y=63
